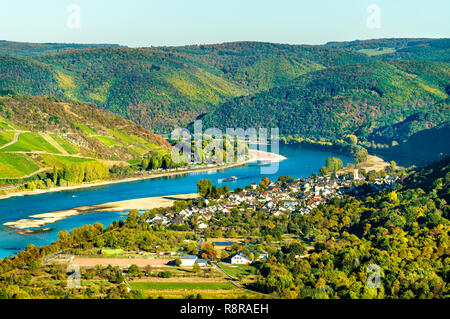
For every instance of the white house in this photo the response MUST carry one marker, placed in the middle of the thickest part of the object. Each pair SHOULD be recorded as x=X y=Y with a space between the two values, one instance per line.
x=202 y=225
x=240 y=259
x=188 y=260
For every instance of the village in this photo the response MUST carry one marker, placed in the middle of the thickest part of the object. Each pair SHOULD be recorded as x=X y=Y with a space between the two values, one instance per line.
x=278 y=198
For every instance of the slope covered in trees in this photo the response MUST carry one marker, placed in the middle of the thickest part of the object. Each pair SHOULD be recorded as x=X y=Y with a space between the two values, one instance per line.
x=23 y=49
x=162 y=88
x=396 y=49
x=339 y=100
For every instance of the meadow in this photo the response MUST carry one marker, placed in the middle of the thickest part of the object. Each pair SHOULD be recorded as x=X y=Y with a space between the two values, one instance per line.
x=16 y=165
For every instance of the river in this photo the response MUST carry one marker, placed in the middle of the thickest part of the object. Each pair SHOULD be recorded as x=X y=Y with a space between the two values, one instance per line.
x=300 y=162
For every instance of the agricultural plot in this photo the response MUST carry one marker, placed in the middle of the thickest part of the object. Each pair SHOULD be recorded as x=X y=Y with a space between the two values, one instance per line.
x=16 y=165
x=60 y=161
x=158 y=285
x=29 y=142
x=64 y=144
x=108 y=141
x=212 y=289
x=6 y=137
x=86 y=129
x=237 y=270
x=378 y=51
x=136 y=145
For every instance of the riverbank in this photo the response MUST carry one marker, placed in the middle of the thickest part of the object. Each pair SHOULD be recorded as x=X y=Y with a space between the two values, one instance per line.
x=39 y=220
x=373 y=163
x=254 y=155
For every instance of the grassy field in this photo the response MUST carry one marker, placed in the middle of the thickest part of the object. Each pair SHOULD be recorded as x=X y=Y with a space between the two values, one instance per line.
x=64 y=144
x=181 y=289
x=86 y=129
x=16 y=165
x=108 y=141
x=235 y=270
x=206 y=294
x=379 y=51
x=106 y=251
x=157 y=285
x=136 y=145
x=6 y=137
x=31 y=142
x=60 y=161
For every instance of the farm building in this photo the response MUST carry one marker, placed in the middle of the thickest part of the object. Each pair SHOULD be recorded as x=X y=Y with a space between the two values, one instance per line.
x=188 y=260
x=240 y=259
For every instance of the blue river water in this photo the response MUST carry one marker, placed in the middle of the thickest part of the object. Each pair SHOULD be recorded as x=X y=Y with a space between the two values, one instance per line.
x=301 y=162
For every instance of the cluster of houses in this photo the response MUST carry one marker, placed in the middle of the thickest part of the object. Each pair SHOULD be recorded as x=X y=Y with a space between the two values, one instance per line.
x=279 y=198
x=287 y=196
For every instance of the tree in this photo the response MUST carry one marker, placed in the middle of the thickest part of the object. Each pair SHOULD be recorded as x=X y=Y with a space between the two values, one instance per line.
x=196 y=267
x=264 y=182
x=204 y=187
x=352 y=139
x=178 y=262
x=361 y=155
x=55 y=175
x=134 y=270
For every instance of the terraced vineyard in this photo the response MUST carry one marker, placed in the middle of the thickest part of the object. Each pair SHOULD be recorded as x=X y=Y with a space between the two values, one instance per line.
x=38 y=134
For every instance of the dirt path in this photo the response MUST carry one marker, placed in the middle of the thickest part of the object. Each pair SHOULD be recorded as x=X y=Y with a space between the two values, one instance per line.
x=55 y=144
x=231 y=279
x=14 y=141
x=42 y=169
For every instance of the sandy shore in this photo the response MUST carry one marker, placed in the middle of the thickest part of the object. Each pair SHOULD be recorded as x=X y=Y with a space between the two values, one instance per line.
x=254 y=155
x=373 y=163
x=40 y=220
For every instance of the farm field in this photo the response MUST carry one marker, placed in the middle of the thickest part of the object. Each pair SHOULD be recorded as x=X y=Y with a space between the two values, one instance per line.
x=121 y=262
x=28 y=142
x=16 y=165
x=6 y=137
x=64 y=144
x=60 y=161
x=375 y=52
x=108 y=141
x=158 y=285
x=205 y=287
x=86 y=129
x=237 y=270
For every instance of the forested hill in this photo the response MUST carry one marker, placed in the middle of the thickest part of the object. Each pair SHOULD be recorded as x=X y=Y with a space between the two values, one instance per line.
x=38 y=133
x=162 y=88
x=24 y=49
x=336 y=101
x=396 y=49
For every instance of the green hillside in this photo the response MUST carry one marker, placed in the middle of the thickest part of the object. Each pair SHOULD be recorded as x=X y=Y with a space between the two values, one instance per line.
x=427 y=118
x=336 y=101
x=397 y=49
x=163 y=88
x=23 y=49
x=39 y=133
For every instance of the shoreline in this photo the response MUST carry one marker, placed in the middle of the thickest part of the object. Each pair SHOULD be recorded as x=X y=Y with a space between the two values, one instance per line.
x=147 y=203
x=255 y=155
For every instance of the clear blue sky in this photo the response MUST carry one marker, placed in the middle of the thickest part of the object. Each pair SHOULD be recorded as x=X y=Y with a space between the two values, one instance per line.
x=139 y=23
